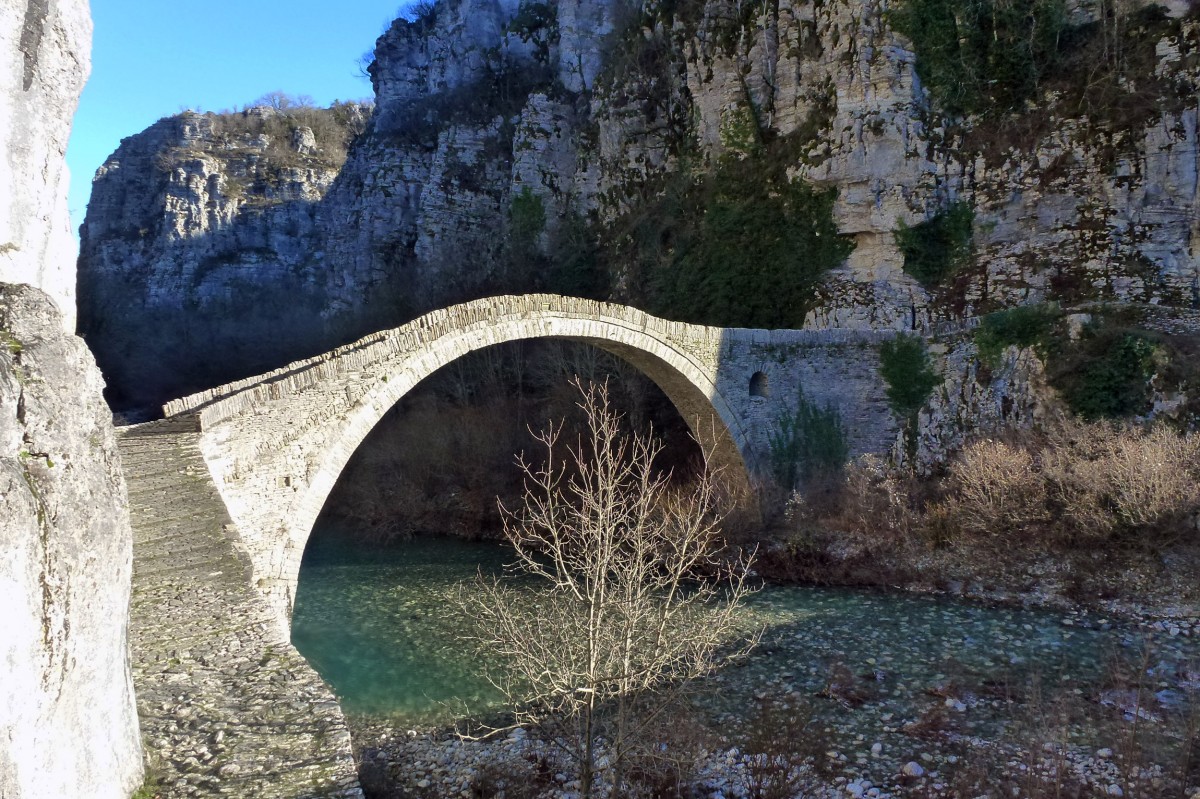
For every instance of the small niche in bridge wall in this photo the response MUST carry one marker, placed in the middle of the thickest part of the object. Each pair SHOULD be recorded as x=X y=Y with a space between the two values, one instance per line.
x=760 y=385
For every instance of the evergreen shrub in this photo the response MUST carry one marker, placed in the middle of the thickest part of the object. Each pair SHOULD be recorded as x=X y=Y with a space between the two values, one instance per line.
x=938 y=248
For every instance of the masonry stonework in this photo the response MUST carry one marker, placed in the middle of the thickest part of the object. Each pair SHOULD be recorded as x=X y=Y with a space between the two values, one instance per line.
x=276 y=443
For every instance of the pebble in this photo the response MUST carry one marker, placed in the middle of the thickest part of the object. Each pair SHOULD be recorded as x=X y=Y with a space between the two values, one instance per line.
x=913 y=769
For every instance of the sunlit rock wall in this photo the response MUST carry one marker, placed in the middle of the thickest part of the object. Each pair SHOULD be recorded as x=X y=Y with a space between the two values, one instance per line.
x=587 y=106
x=68 y=727
x=45 y=46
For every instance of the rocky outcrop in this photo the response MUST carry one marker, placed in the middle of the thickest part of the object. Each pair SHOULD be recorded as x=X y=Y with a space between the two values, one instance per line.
x=509 y=137
x=67 y=720
x=199 y=248
x=67 y=717
x=44 y=47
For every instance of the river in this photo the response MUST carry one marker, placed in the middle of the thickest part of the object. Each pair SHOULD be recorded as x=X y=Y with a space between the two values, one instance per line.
x=871 y=672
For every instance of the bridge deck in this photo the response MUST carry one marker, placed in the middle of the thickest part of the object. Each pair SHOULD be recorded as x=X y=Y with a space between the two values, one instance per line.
x=227 y=705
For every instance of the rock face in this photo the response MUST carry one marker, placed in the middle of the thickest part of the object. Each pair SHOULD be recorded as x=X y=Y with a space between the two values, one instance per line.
x=503 y=129
x=45 y=47
x=67 y=720
x=199 y=248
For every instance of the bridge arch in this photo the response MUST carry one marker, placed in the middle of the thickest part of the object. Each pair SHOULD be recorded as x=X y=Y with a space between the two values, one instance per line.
x=685 y=383
x=277 y=444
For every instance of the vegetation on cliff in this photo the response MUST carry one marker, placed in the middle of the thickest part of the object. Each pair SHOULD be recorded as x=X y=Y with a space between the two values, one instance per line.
x=274 y=134
x=744 y=245
x=1010 y=63
x=1112 y=365
x=1112 y=506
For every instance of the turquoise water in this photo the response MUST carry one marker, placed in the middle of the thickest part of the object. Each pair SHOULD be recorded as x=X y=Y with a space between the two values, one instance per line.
x=383 y=629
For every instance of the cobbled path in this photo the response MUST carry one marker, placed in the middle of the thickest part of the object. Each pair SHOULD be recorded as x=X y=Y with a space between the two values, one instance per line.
x=227 y=706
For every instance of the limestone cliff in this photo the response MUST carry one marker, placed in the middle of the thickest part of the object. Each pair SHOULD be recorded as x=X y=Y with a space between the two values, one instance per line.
x=67 y=721
x=572 y=146
x=44 y=45
x=67 y=718
x=200 y=247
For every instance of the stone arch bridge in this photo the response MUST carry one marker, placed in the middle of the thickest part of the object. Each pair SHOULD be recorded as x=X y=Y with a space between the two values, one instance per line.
x=276 y=443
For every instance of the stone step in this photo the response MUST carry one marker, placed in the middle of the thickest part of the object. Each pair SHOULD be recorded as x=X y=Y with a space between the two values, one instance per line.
x=227 y=705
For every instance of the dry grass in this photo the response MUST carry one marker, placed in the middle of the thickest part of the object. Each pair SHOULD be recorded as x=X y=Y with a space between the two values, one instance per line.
x=1075 y=485
x=997 y=491
x=1081 y=484
x=1085 y=511
x=1124 y=483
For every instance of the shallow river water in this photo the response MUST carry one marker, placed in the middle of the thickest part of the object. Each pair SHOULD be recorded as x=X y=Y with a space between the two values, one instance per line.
x=382 y=628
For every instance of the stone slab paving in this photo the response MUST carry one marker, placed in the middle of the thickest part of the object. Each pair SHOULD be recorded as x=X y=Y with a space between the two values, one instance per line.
x=227 y=706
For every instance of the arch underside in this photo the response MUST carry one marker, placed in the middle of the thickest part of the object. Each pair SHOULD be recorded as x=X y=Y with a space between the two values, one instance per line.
x=687 y=382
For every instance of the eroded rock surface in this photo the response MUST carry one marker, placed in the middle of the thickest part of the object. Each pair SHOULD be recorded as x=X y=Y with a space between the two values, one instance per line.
x=45 y=48
x=484 y=107
x=67 y=720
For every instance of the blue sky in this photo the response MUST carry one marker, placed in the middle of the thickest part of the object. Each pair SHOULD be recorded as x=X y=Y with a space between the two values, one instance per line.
x=153 y=58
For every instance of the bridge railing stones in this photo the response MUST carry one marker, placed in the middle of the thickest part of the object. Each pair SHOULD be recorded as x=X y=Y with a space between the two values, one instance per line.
x=219 y=403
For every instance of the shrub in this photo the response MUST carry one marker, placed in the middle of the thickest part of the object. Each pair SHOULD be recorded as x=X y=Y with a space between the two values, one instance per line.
x=522 y=262
x=982 y=56
x=910 y=377
x=536 y=22
x=422 y=13
x=940 y=247
x=808 y=443
x=1083 y=484
x=1123 y=483
x=1107 y=374
x=749 y=249
x=997 y=491
x=743 y=245
x=575 y=268
x=782 y=745
x=874 y=504
x=1023 y=326
x=527 y=219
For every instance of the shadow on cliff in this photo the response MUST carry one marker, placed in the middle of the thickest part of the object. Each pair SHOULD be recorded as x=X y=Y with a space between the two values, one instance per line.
x=167 y=316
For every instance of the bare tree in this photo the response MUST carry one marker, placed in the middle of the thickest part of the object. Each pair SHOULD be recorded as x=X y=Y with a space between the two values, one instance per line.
x=633 y=597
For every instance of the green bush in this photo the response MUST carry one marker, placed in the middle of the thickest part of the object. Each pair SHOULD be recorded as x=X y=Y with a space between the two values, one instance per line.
x=808 y=443
x=536 y=22
x=522 y=263
x=982 y=56
x=1023 y=326
x=940 y=247
x=575 y=268
x=1107 y=374
x=910 y=377
x=526 y=220
x=758 y=255
x=742 y=246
